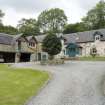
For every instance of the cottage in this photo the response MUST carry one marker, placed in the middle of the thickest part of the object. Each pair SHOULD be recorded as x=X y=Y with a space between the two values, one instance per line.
x=81 y=43
x=16 y=48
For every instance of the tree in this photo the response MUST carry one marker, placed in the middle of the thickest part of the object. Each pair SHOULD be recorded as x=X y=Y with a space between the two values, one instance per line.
x=28 y=27
x=1 y=15
x=95 y=18
x=8 y=30
x=52 y=45
x=52 y=20
x=73 y=28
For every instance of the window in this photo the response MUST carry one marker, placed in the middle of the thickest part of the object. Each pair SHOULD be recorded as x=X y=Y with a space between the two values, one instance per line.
x=97 y=37
x=94 y=51
x=31 y=44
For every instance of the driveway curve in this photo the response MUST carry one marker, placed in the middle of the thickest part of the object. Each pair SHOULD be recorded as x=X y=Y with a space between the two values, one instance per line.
x=74 y=83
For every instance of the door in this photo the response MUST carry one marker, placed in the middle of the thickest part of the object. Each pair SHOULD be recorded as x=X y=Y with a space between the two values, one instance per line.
x=72 y=52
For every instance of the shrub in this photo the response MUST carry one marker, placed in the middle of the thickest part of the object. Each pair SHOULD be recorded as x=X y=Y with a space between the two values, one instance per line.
x=52 y=45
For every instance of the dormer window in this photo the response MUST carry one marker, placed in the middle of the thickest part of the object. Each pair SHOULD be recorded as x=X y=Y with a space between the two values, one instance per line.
x=32 y=41
x=97 y=38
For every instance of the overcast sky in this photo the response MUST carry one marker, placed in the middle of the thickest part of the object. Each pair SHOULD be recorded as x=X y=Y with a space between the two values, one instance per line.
x=16 y=9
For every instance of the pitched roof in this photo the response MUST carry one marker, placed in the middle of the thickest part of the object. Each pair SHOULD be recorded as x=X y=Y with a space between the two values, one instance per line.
x=40 y=38
x=5 y=39
x=9 y=39
x=31 y=37
x=87 y=36
x=16 y=37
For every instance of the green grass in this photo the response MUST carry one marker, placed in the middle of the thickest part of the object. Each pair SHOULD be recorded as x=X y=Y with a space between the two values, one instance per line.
x=18 y=85
x=90 y=58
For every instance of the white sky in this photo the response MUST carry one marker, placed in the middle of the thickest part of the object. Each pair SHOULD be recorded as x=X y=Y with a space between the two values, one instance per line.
x=15 y=10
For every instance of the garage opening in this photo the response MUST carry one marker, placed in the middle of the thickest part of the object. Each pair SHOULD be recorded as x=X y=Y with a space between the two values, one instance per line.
x=6 y=57
x=25 y=57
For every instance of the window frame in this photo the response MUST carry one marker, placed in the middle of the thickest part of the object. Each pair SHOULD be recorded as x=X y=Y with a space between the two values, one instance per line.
x=97 y=38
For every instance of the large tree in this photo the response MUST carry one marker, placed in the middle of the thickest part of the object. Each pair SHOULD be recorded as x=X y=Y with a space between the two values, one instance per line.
x=8 y=30
x=73 y=28
x=52 y=20
x=1 y=15
x=95 y=18
x=28 y=27
x=52 y=44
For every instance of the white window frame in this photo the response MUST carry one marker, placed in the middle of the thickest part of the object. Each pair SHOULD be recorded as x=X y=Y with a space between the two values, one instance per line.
x=97 y=38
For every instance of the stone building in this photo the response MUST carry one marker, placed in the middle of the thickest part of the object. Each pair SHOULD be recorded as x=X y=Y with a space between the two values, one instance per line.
x=17 y=48
x=82 y=43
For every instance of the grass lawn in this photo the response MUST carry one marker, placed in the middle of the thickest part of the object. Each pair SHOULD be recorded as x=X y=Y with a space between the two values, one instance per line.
x=90 y=58
x=18 y=85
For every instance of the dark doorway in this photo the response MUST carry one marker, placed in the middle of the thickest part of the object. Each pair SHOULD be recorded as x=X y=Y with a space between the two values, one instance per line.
x=6 y=57
x=25 y=57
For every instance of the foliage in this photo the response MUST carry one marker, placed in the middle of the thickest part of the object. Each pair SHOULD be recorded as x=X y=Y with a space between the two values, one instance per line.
x=8 y=30
x=95 y=18
x=52 y=44
x=90 y=58
x=73 y=28
x=1 y=15
x=28 y=27
x=52 y=20
x=15 y=88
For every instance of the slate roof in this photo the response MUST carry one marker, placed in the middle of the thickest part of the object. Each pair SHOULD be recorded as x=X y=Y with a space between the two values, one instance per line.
x=80 y=37
x=30 y=37
x=8 y=39
x=16 y=37
x=40 y=38
x=5 y=39
x=87 y=36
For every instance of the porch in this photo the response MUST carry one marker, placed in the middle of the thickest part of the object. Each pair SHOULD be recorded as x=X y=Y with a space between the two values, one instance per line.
x=73 y=49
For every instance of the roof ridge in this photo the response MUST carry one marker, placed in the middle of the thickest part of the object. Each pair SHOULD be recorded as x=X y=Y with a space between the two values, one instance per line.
x=85 y=31
x=6 y=34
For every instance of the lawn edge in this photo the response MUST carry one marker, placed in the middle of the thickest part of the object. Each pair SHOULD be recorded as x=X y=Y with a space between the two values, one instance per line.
x=44 y=85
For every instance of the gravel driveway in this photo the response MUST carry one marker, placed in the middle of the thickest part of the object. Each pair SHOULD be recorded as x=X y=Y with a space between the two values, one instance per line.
x=74 y=83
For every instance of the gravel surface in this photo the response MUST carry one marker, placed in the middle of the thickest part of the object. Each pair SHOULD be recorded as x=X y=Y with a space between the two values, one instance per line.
x=74 y=83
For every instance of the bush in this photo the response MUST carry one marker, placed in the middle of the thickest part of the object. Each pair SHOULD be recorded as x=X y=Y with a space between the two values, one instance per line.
x=52 y=45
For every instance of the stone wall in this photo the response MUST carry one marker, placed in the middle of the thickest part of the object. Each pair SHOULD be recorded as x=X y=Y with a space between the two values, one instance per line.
x=6 y=48
x=39 y=47
x=25 y=47
x=100 y=46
